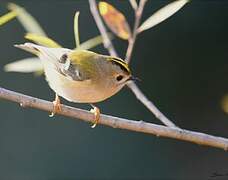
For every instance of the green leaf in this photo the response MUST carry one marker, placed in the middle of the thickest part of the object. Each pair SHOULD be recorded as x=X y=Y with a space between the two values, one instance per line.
x=7 y=17
x=162 y=14
x=27 y=21
x=28 y=65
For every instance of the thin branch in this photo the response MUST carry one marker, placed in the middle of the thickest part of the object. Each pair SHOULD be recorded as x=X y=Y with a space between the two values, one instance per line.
x=106 y=41
x=132 y=39
x=109 y=46
x=141 y=97
x=134 y=4
x=115 y=122
x=138 y=93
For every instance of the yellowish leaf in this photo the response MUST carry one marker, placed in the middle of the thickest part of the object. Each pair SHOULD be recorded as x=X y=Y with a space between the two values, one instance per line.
x=7 y=17
x=42 y=40
x=93 y=42
x=115 y=20
x=224 y=103
x=27 y=21
x=162 y=14
x=28 y=65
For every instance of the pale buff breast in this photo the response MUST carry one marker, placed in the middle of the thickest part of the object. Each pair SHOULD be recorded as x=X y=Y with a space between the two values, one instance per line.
x=77 y=91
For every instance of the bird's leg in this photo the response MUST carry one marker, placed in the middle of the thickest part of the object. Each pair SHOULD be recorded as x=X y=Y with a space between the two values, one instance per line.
x=96 y=112
x=57 y=106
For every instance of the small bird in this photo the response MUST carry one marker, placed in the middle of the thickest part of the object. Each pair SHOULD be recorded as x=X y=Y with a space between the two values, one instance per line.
x=81 y=76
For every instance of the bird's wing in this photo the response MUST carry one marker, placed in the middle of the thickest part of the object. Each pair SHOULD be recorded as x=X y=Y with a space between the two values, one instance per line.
x=72 y=64
x=72 y=71
x=77 y=65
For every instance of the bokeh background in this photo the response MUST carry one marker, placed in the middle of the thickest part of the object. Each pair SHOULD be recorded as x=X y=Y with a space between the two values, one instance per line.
x=183 y=64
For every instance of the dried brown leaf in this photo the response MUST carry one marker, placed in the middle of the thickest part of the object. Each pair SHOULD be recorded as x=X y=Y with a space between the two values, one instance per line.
x=115 y=20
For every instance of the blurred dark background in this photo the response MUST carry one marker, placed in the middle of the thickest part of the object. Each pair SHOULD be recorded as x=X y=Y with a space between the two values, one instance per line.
x=183 y=64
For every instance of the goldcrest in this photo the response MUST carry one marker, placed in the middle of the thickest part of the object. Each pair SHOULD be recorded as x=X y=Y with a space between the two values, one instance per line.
x=81 y=76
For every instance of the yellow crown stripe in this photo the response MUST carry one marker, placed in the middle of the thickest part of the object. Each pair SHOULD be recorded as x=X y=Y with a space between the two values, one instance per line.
x=121 y=63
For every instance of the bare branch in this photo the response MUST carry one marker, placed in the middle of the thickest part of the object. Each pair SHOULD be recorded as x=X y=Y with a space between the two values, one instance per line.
x=115 y=122
x=109 y=46
x=158 y=114
x=132 y=39
x=106 y=41
x=134 y=4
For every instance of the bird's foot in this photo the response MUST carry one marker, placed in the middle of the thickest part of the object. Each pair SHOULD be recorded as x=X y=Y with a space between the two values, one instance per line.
x=56 y=106
x=96 y=112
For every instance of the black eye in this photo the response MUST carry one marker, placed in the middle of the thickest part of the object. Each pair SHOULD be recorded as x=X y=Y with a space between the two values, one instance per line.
x=63 y=58
x=119 y=77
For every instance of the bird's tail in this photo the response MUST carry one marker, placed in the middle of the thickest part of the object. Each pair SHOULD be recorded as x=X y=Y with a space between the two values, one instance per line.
x=30 y=47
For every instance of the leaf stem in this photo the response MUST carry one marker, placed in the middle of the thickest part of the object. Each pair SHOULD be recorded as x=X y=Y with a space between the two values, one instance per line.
x=76 y=29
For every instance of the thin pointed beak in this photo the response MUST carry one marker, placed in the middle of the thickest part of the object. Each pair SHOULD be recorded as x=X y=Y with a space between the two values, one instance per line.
x=135 y=79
